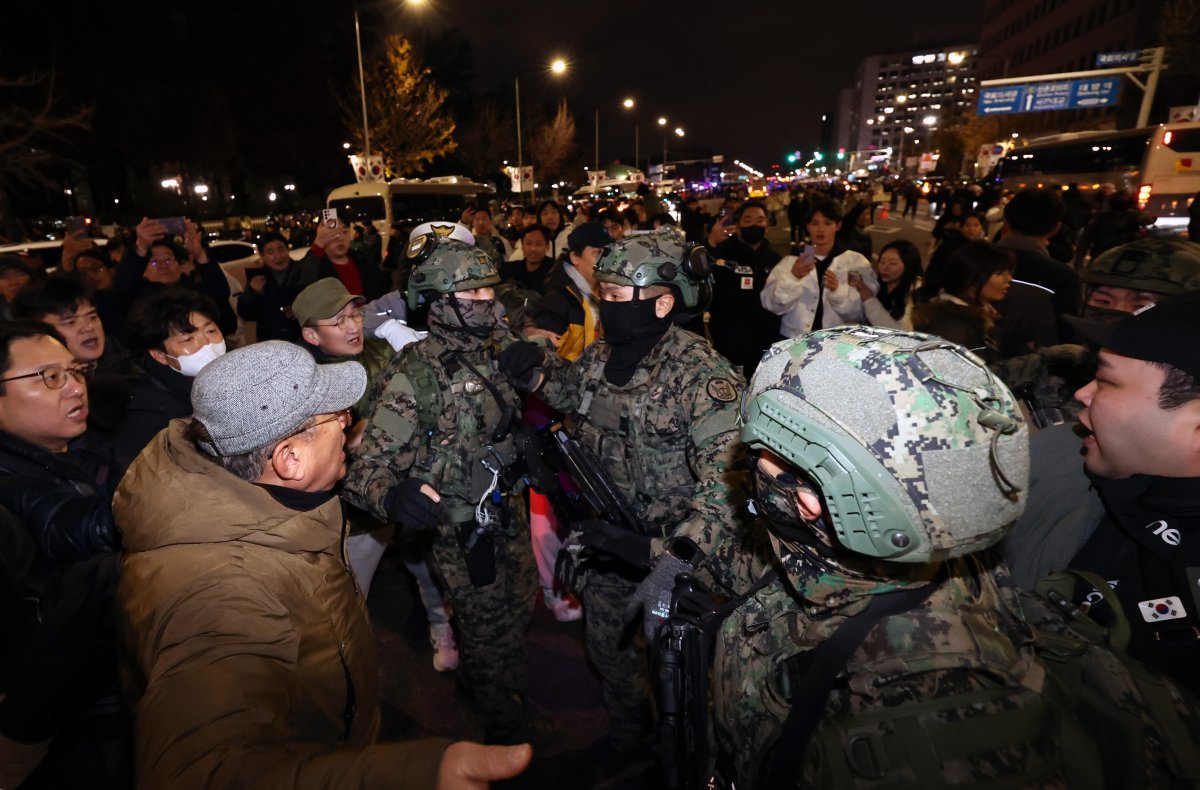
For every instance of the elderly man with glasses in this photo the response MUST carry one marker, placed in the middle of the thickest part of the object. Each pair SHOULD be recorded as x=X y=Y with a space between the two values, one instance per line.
x=57 y=569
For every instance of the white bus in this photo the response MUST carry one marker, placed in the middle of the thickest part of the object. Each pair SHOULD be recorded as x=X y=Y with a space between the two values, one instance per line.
x=1160 y=165
x=407 y=200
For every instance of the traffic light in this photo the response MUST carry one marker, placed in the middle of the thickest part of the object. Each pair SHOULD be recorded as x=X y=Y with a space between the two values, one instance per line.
x=791 y=158
x=841 y=154
x=818 y=156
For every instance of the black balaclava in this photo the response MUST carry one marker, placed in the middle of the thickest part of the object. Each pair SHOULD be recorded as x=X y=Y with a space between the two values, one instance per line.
x=632 y=329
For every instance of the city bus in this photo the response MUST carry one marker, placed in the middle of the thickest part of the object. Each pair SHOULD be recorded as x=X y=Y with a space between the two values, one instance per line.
x=1160 y=165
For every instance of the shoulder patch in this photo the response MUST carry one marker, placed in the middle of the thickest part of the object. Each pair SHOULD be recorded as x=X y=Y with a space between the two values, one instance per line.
x=722 y=390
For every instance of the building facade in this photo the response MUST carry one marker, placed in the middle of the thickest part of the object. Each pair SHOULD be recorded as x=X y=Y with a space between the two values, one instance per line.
x=902 y=96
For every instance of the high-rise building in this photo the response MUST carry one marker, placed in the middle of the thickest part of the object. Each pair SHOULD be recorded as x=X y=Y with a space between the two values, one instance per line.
x=1035 y=37
x=915 y=90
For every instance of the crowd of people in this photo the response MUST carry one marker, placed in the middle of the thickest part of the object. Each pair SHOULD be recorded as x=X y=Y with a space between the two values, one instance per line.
x=854 y=474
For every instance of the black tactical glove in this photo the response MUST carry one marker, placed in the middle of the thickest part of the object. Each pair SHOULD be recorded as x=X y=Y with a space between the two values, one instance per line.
x=653 y=596
x=411 y=508
x=600 y=537
x=520 y=363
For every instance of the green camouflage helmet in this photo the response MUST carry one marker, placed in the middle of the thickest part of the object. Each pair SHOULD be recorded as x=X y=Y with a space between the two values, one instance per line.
x=658 y=257
x=919 y=452
x=1158 y=265
x=446 y=265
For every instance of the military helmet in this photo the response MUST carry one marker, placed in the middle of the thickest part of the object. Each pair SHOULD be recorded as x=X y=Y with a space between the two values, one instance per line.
x=659 y=257
x=1159 y=265
x=919 y=452
x=446 y=265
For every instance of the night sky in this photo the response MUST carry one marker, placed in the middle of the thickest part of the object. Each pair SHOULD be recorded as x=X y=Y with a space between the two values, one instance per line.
x=258 y=88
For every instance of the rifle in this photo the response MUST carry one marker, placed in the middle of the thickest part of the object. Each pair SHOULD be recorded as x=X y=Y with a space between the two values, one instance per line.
x=682 y=655
x=597 y=487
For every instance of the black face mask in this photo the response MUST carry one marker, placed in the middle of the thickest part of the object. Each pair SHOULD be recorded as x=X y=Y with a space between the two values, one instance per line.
x=632 y=329
x=753 y=234
x=625 y=322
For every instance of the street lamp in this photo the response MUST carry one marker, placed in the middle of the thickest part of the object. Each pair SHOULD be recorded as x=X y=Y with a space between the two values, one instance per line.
x=362 y=82
x=629 y=104
x=907 y=130
x=558 y=66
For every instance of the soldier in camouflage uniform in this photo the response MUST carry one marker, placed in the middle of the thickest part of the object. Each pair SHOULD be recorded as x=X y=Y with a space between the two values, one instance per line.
x=658 y=408
x=438 y=453
x=883 y=460
x=1127 y=278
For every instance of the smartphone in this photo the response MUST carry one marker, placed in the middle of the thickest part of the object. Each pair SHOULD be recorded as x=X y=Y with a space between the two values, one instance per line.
x=175 y=225
x=854 y=277
x=76 y=224
x=329 y=216
x=809 y=252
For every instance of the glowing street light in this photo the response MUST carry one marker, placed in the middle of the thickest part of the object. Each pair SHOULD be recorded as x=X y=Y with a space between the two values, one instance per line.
x=346 y=146
x=929 y=120
x=558 y=66
x=678 y=132
x=200 y=189
x=662 y=121
x=628 y=104
x=271 y=197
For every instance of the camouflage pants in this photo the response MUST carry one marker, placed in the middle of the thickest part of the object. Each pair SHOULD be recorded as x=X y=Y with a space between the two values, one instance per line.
x=491 y=623
x=619 y=655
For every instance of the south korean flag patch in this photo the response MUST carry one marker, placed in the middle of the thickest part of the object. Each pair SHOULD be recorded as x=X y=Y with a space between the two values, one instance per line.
x=1160 y=609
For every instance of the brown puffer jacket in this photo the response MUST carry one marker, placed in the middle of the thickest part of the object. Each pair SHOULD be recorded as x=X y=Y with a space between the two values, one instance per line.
x=246 y=646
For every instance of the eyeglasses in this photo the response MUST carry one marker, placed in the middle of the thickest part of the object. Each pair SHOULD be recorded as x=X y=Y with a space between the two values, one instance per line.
x=344 y=322
x=342 y=416
x=55 y=377
x=163 y=262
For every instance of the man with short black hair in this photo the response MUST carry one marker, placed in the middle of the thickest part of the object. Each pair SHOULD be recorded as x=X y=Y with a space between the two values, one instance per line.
x=1132 y=520
x=1030 y=219
x=530 y=271
x=268 y=297
x=14 y=275
x=66 y=304
x=173 y=335
x=331 y=256
x=54 y=478
x=252 y=661
x=154 y=263
x=742 y=329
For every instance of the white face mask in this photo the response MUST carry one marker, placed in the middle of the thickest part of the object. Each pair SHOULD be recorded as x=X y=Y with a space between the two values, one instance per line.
x=190 y=365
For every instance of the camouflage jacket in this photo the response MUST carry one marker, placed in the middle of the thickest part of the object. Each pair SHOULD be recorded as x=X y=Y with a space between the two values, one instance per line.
x=968 y=629
x=668 y=438
x=449 y=451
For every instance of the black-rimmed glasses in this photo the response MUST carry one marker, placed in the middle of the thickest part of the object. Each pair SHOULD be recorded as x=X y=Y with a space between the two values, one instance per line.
x=55 y=377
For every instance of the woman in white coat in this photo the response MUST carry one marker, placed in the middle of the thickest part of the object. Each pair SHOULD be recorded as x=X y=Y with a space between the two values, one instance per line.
x=814 y=290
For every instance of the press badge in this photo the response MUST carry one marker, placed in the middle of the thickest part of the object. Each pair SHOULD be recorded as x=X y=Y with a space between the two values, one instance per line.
x=747 y=277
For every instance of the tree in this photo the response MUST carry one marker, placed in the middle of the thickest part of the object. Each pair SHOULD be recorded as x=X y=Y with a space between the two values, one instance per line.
x=408 y=124
x=34 y=129
x=552 y=145
x=961 y=140
x=487 y=140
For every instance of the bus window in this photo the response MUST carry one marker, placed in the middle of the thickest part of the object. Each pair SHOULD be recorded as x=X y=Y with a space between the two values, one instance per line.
x=359 y=209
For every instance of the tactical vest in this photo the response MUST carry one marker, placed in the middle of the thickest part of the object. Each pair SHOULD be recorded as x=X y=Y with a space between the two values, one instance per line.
x=1073 y=712
x=641 y=434
x=457 y=415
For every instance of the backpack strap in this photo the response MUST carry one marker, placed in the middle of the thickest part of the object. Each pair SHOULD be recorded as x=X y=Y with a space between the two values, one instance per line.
x=824 y=665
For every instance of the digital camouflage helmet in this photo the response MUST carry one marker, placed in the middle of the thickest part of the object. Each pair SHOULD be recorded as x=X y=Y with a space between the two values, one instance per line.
x=446 y=265
x=918 y=451
x=659 y=257
x=1158 y=265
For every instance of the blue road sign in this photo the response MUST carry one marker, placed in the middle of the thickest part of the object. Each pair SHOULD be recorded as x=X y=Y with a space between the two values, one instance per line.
x=1001 y=100
x=1109 y=59
x=1100 y=92
x=1042 y=96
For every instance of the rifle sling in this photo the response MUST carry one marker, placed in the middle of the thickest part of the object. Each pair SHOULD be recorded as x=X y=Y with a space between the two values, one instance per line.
x=825 y=664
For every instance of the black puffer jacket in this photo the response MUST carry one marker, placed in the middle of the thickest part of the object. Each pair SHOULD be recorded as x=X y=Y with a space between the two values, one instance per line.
x=63 y=498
